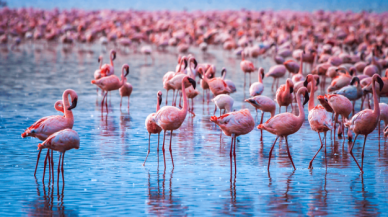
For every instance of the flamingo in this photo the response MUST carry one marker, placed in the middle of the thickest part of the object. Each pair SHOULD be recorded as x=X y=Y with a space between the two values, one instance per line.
x=147 y=51
x=299 y=76
x=223 y=101
x=292 y=66
x=352 y=92
x=46 y=126
x=383 y=115
x=108 y=69
x=319 y=118
x=247 y=67
x=151 y=126
x=111 y=82
x=285 y=124
x=170 y=118
x=61 y=141
x=125 y=90
x=276 y=71
x=97 y=73
x=257 y=88
x=235 y=124
x=264 y=103
x=284 y=94
x=230 y=83
x=341 y=106
x=169 y=75
x=216 y=85
x=341 y=81
x=364 y=122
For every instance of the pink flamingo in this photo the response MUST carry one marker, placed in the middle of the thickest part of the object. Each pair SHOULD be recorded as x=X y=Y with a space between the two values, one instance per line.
x=264 y=103
x=61 y=141
x=112 y=82
x=299 y=76
x=169 y=75
x=284 y=94
x=383 y=115
x=285 y=124
x=170 y=118
x=46 y=126
x=247 y=67
x=97 y=73
x=235 y=124
x=223 y=102
x=319 y=118
x=108 y=69
x=151 y=126
x=276 y=71
x=364 y=122
x=341 y=106
x=257 y=88
x=216 y=85
x=125 y=90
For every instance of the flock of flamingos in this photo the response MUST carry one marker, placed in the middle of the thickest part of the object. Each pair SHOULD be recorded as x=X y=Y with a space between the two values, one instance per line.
x=307 y=48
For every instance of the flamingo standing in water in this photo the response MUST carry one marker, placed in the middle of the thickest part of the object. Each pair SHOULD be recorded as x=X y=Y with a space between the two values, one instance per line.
x=341 y=106
x=319 y=118
x=125 y=90
x=151 y=126
x=285 y=124
x=46 y=126
x=364 y=122
x=97 y=73
x=284 y=94
x=276 y=71
x=61 y=141
x=112 y=82
x=257 y=88
x=247 y=67
x=299 y=76
x=169 y=75
x=235 y=124
x=383 y=115
x=170 y=118
x=223 y=101
x=264 y=103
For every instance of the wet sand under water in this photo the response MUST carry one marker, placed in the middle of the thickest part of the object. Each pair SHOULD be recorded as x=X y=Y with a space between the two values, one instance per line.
x=106 y=175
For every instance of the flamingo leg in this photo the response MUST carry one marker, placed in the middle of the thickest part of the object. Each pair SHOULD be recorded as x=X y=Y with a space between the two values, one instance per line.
x=164 y=139
x=378 y=123
x=362 y=155
x=325 y=149
x=262 y=117
x=49 y=163
x=351 y=151
x=37 y=161
x=234 y=153
x=231 y=149
x=128 y=102
x=158 y=141
x=289 y=154
x=215 y=109
x=52 y=164
x=311 y=162
x=270 y=152
x=59 y=166
x=172 y=159
x=121 y=100
x=63 y=174
x=45 y=163
x=149 y=139
x=166 y=97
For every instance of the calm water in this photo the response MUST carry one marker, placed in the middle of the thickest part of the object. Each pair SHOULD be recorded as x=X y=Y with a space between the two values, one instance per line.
x=106 y=175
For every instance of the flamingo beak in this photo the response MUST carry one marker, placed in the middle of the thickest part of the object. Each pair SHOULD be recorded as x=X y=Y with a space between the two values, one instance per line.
x=192 y=81
x=127 y=72
x=317 y=81
x=160 y=99
x=114 y=55
x=262 y=75
x=306 y=98
x=291 y=89
x=381 y=83
x=195 y=63
x=73 y=104
x=305 y=83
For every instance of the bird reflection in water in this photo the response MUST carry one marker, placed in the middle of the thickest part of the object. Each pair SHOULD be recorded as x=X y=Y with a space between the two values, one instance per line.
x=160 y=203
x=318 y=205
x=365 y=206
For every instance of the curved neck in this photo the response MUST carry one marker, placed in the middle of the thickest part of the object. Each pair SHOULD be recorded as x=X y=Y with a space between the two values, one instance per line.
x=111 y=59
x=123 y=79
x=300 y=107
x=311 y=101
x=301 y=65
x=376 y=107
x=100 y=63
x=224 y=75
x=157 y=105
x=260 y=78
x=65 y=99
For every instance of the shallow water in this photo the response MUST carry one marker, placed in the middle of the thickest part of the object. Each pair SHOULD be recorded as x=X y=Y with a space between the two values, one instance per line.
x=106 y=175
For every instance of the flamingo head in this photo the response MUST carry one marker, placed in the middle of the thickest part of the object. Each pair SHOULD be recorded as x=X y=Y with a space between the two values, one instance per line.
x=223 y=71
x=113 y=54
x=377 y=78
x=189 y=81
x=160 y=97
x=251 y=101
x=74 y=99
x=126 y=68
x=100 y=58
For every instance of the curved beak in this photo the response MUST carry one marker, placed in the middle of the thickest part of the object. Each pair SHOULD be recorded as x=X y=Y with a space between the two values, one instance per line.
x=192 y=81
x=381 y=83
x=185 y=61
x=306 y=98
x=262 y=74
x=305 y=83
x=127 y=72
x=73 y=104
x=317 y=81
x=291 y=89
x=160 y=99
x=114 y=55
x=195 y=63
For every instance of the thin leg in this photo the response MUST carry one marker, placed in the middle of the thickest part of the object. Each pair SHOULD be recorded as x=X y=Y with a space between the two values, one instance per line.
x=166 y=97
x=37 y=161
x=149 y=139
x=262 y=117
x=164 y=139
x=128 y=102
x=311 y=162
x=52 y=164
x=362 y=155
x=158 y=141
x=325 y=150
x=378 y=123
x=172 y=159
x=59 y=166
x=351 y=152
x=45 y=163
x=63 y=174
x=289 y=154
x=231 y=149
x=215 y=109
x=270 y=152
x=234 y=150
x=121 y=100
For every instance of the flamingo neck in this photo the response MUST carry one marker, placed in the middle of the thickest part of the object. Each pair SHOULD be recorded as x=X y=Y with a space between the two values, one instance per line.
x=123 y=78
x=111 y=60
x=100 y=63
x=311 y=101
x=301 y=65
x=300 y=107
x=65 y=99
x=376 y=107
x=224 y=75
x=185 y=103
x=260 y=78
x=158 y=105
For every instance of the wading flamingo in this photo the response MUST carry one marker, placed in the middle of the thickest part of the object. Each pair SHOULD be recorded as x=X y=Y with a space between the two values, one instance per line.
x=319 y=118
x=61 y=141
x=223 y=101
x=151 y=126
x=125 y=90
x=341 y=106
x=247 y=67
x=46 y=126
x=276 y=71
x=257 y=88
x=264 y=103
x=109 y=69
x=364 y=122
x=170 y=118
x=285 y=124
x=284 y=94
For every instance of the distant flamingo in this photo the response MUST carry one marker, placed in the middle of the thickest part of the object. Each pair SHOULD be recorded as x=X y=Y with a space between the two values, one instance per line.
x=364 y=122
x=341 y=106
x=235 y=124
x=97 y=73
x=169 y=75
x=285 y=124
x=284 y=94
x=352 y=92
x=46 y=126
x=61 y=141
x=264 y=103
x=223 y=101
x=319 y=118
x=125 y=90
x=257 y=88
x=111 y=82
x=247 y=67
x=276 y=71
x=299 y=77
x=151 y=126
x=170 y=118
x=216 y=85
